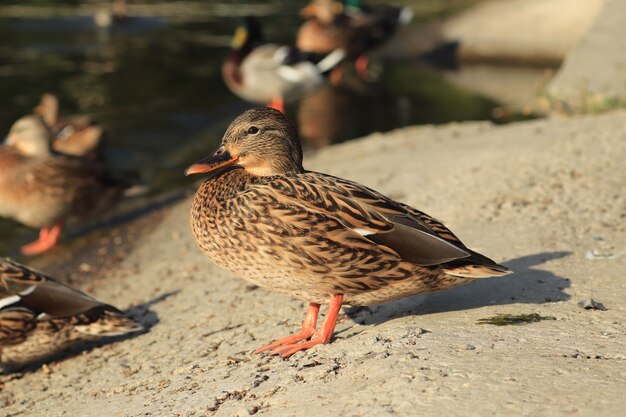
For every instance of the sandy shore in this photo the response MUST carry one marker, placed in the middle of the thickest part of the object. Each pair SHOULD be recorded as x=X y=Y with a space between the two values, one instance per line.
x=546 y=198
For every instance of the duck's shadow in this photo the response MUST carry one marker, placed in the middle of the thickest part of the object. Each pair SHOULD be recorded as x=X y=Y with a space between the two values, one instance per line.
x=527 y=285
x=139 y=312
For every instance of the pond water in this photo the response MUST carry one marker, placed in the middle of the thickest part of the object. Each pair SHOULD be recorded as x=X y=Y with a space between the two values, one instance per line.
x=154 y=83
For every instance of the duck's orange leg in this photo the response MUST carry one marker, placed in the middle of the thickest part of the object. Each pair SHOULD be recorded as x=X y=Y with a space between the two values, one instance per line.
x=277 y=103
x=307 y=330
x=48 y=237
x=361 y=65
x=328 y=328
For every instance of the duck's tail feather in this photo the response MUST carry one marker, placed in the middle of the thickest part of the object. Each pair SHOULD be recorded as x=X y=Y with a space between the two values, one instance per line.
x=107 y=322
x=478 y=271
x=476 y=266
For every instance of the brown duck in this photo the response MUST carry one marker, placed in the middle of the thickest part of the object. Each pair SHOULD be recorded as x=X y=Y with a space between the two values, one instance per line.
x=40 y=316
x=313 y=236
x=43 y=189
x=356 y=28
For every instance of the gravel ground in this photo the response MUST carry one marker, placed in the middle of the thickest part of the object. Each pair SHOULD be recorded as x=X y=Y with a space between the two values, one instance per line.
x=545 y=197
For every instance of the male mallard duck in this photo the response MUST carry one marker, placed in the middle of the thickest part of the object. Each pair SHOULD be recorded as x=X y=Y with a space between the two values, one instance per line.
x=353 y=27
x=77 y=135
x=40 y=316
x=43 y=189
x=313 y=236
x=270 y=73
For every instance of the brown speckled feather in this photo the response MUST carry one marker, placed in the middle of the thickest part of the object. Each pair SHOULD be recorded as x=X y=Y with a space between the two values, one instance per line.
x=40 y=316
x=15 y=324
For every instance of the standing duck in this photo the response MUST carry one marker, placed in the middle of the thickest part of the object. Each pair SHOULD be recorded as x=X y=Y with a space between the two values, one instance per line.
x=43 y=189
x=40 y=317
x=76 y=136
x=353 y=27
x=272 y=74
x=315 y=237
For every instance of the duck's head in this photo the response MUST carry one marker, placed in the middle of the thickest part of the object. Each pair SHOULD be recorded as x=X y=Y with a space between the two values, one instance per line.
x=262 y=141
x=30 y=136
x=248 y=35
x=48 y=109
x=324 y=10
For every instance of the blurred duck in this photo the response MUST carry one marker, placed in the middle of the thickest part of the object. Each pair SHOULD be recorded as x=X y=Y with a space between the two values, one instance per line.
x=315 y=237
x=272 y=74
x=40 y=317
x=43 y=189
x=77 y=135
x=353 y=27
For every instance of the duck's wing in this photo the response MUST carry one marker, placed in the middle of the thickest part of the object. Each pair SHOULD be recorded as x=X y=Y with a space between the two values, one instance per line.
x=475 y=265
x=291 y=56
x=77 y=184
x=398 y=212
x=77 y=172
x=23 y=286
x=363 y=215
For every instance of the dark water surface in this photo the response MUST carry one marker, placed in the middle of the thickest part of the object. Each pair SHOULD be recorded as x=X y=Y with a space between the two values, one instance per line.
x=154 y=83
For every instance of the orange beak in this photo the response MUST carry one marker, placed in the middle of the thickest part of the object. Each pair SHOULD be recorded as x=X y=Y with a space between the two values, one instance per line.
x=219 y=159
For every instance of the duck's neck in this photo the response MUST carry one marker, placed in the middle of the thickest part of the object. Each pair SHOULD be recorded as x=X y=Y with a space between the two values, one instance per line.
x=224 y=186
x=10 y=159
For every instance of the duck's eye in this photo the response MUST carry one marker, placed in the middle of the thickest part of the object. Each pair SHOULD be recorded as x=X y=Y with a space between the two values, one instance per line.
x=253 y=130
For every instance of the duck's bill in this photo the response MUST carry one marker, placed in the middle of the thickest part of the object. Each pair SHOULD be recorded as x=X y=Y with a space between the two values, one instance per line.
x=219 y=159
x=240 y=38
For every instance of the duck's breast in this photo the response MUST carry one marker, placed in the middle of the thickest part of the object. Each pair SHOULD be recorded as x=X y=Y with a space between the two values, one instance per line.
x=24 y=195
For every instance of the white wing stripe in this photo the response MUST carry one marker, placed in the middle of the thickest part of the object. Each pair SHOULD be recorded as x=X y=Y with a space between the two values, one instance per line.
x=9 y=300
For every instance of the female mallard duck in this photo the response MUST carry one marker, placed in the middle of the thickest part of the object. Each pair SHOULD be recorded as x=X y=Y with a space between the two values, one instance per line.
x=313 y=236
x=76 y=136
x=40 y=317
x=270 y=73
x=355 y=28
x=43 y=189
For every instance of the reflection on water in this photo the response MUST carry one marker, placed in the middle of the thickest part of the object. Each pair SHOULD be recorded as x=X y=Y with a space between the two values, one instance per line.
x=154 y=83
x=403 y=95
x=351 y=109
